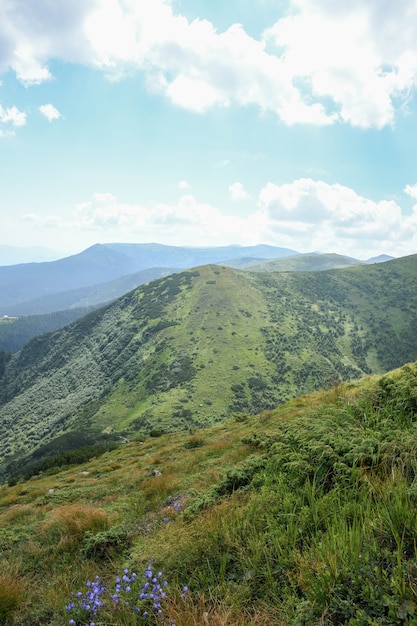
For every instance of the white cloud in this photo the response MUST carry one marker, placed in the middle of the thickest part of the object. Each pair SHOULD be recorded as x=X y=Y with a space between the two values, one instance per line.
x=12 y=116
x=237 y=192
x=50 y=112
x=326 y=61
x=335 y=217
x=29 y=71
x=411 y=190
x=194 y=94
x=187 y=222
x=359 y=54
x=197 y=68
x=35 y=33
x=183 y=185
x=304 y=215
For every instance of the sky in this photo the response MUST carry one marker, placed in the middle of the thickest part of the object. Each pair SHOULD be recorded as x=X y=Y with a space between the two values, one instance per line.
x=204 y=123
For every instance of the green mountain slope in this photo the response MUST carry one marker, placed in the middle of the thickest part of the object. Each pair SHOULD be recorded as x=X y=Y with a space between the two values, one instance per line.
x=194 y=348
x=312 y=262
x=302 y=515
x=61 y=309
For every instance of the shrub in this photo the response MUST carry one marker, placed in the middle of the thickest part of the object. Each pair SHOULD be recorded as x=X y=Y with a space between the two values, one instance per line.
x=101 y=544
x=194 y=442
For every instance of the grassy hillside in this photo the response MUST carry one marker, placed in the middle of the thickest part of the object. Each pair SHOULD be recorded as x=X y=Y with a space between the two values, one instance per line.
x=301 y=515
x=195 y=348
x=312 y=262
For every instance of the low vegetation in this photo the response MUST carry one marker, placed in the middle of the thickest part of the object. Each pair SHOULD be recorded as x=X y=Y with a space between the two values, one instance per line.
x=305 y=514
x=196 y=348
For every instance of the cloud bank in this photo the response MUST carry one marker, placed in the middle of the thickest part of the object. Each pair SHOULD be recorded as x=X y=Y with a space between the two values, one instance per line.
x=323 y=62
x=305 y=215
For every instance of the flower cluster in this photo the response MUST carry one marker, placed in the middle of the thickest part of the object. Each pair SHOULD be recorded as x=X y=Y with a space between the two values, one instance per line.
x=89 y=603
x=143 y=599
x=153 y=590
x=130 y=595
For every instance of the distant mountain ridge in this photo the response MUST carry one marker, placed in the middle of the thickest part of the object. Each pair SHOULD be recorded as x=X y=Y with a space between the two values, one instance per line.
x=382 y=258
x=106 y=262
x=106 y=271
x=310 y=262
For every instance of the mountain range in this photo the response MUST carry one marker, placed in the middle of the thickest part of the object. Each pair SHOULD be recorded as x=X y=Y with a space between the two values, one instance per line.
x=101 y=263
x=104 y=272
x=193 y=348
x=37 y=298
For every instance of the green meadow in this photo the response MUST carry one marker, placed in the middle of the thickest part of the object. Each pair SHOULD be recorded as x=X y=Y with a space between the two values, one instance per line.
x=300 y=515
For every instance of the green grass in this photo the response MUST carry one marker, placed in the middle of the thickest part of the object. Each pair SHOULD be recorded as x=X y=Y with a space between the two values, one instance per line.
x=301 y=515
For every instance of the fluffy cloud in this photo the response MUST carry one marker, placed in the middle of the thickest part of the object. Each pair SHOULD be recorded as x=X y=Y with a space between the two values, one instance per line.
x=50 y=112
x=324 y=62
x=411 y=190
x=48 y=222
x=187 y=222
x=304 y=215
x=335 y=217
x=12 y=116
x=237 y=192
x=359 y=54
x=33 y=34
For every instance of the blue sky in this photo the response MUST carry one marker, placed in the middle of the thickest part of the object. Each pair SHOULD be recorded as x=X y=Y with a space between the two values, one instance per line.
x=286 y=122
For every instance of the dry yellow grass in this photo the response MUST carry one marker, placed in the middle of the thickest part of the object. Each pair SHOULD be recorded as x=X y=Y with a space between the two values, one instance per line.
x=11 y=594
x=68 y=523
x=205 y=611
